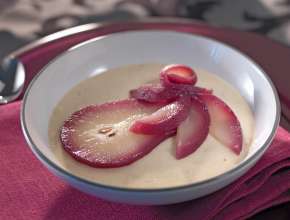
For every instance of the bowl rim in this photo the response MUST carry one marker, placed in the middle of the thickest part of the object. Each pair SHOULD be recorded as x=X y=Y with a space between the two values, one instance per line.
x=211 y=180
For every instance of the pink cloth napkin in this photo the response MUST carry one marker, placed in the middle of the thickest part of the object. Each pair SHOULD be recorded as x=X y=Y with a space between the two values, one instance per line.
x=29 y=191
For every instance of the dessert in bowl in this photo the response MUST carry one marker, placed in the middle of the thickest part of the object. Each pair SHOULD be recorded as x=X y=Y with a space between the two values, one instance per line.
x=104 y=70
x=158 y=163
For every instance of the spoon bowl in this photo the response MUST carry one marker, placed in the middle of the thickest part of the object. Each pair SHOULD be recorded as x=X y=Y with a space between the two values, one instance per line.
x=12 y=78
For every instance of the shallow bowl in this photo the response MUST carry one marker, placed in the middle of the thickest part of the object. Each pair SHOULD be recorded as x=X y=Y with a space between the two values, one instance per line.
x=136 y=47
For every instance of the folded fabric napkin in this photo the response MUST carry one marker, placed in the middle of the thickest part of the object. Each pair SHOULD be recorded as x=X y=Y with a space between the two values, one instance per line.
x=30 y=191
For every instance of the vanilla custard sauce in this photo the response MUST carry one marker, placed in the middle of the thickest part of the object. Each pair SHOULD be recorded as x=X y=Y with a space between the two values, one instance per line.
x=159 y=168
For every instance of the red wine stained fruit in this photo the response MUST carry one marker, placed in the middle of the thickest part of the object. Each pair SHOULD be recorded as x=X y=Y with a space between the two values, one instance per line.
x=158 y=93
x=192 y=132
x=224 y=126
x=115 y=134
x=178 y=74
x=164 y=119
x=99 y=135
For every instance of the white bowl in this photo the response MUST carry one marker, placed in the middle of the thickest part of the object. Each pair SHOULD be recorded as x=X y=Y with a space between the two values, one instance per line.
x=120 y=49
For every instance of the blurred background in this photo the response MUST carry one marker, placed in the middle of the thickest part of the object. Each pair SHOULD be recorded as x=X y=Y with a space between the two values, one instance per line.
x=22 y=21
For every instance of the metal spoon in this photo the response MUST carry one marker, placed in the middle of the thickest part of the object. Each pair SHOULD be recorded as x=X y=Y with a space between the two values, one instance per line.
x=12 y=72
x=12 y=78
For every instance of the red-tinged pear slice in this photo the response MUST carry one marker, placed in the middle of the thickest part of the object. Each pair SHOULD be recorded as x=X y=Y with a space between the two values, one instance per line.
x=178 y=74
x=154 y=93
x=163 y=120
x=224 y=126
x=192 y=132
x=158 y=93
x=99 y=135
x=189 y=89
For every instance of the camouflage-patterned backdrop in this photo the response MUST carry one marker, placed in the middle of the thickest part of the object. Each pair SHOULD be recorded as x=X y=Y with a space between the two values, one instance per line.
x=22 y=21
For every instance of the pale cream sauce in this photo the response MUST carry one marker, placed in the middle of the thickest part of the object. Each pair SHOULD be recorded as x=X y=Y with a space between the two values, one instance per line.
x=159 y=168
